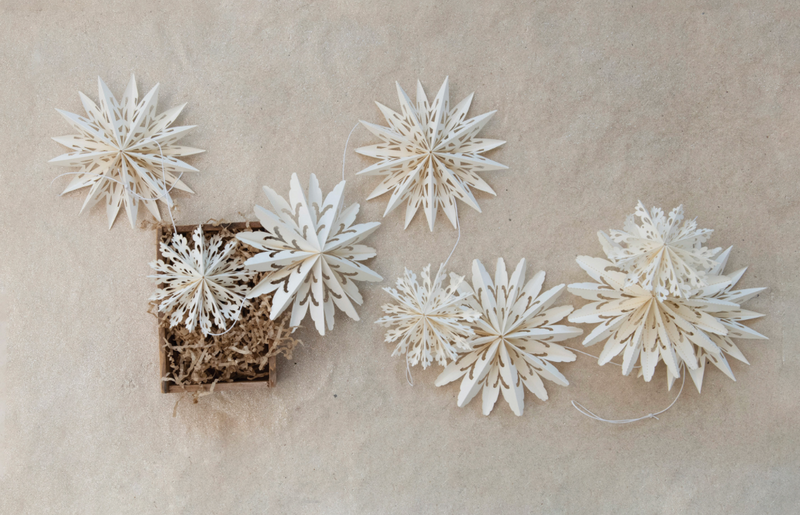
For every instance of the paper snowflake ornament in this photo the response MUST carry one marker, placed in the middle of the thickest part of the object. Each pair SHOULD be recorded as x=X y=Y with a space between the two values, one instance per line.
x=431 y=321
x=311 y=254
x=201 y=285
x=661 y=254
x=515 y=340
x=126 y=153
x=645 y=328
x=430 y=156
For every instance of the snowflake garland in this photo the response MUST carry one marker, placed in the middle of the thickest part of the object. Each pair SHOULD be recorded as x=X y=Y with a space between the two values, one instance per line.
x=126 y=153
x=430 y=156
x=200 y=283
x=311 y=252
x=639 y=324
x=515 y=338
x=661 y=255
x=432 y=322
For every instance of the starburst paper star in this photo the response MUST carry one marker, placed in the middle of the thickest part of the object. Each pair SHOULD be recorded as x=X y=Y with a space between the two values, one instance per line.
x=515 y=338
x=200 y=283
x=126 y=153
x=430 y=156
x=431 y=321
x=311 y=252
x=661 y=255
x=643 y=327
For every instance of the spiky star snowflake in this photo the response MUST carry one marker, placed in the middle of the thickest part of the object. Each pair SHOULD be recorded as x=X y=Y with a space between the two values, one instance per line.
x=515 y=338
x=126 y=153
x=311 y=252
x=200 y=283
x=643 y=327
x=431 y=321
x=661 y=255
x=430 y=156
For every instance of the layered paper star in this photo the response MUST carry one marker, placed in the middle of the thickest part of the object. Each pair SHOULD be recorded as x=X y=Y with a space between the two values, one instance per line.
x=515 y=338
x=430 y=156
x=432 y=321
x=200 y=283
x=643 y=327
x=311 y=253
x=660 y=254
x=126 y=153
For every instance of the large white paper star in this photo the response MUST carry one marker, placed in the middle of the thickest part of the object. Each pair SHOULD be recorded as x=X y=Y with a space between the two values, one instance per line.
x=311 y=252
x=430 y=156
x=515 y=338
x=643 y=327
x=126 y=151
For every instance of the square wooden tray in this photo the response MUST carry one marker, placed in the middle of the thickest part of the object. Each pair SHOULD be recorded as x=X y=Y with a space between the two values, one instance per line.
x=168 y=387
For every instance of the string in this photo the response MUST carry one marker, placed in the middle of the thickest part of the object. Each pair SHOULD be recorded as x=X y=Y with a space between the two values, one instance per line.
x=583 y=410
x=344 y=154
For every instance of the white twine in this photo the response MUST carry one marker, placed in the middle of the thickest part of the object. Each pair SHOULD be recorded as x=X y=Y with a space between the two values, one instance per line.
x=583 y=410
x=344 y=154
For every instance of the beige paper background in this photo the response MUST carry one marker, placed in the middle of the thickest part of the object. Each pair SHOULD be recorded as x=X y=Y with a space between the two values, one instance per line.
x=602 y=103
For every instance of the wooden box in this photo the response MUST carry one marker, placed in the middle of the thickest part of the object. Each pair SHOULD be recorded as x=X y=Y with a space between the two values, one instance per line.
x=169 y=387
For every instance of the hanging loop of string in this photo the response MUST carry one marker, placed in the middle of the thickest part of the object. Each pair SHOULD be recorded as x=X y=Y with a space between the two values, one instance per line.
x=583 y=410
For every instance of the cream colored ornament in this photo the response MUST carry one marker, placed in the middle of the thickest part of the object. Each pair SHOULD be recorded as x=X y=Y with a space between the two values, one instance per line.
x=201 y=285
x=311 y=253
x=515 y=338
x=430 y=156
x=690 y=330
x=431 y=321
x=126 y=153
x=661 y=255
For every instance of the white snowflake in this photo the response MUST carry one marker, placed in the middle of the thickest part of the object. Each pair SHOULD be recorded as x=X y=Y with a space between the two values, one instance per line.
x=430 y=156
x=643 y=327
x=311 y=253
x=125 y=151
x=200 y=283
x=661 y=255
x=515 y=338
x=431 y=321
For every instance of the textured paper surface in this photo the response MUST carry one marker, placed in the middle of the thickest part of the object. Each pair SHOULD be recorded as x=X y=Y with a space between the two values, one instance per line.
x=602 y=104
